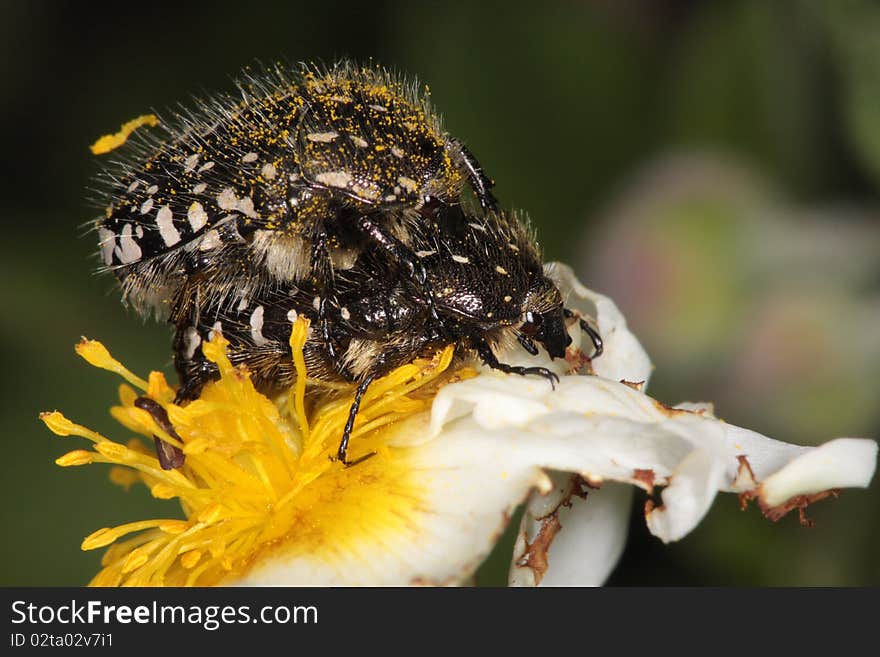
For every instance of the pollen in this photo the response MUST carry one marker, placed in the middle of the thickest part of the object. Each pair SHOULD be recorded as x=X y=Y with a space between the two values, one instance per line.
x=258 y=478
x=108 y=143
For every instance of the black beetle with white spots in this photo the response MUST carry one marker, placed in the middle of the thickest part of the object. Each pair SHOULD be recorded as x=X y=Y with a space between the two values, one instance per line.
x=332 y=194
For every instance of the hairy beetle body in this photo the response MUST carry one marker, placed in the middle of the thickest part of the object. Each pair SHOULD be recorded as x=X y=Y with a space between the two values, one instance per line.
x=336 y=195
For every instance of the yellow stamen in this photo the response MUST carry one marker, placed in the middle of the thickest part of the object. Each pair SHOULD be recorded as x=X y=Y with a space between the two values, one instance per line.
x=127 y=394
x=163 y=491
x=174 y=526
x=158 y=388
x=297 y=340
x=112 y=451
x=190 y=559
x=60 y=425
x=108 y=143
x=97 y=355
x=107 y=535
x=258 y=474
x=126 y=478
x=76 y=457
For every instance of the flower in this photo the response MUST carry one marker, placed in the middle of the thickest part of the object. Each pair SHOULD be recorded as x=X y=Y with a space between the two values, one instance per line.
x=456 y=451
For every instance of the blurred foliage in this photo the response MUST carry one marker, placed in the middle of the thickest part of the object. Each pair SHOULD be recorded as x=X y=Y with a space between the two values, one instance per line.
x=748 y=266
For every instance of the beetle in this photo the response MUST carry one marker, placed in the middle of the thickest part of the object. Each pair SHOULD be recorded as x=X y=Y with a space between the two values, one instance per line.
x=333 y=193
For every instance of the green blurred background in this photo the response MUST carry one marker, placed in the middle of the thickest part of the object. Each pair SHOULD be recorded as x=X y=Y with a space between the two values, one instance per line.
x=713 y=166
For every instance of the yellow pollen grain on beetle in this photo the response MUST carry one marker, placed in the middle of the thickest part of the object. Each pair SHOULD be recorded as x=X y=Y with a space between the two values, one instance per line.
x=109 y=143
x=258 y=480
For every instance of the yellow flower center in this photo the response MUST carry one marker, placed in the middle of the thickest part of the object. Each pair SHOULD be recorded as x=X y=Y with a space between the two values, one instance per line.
x=258 y=477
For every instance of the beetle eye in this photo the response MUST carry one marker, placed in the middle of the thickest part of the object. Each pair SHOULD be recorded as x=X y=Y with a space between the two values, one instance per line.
x=531 y=323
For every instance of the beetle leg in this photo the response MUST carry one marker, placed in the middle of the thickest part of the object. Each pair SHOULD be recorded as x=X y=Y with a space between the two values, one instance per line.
x=480 y=182
x=489 y=358
x=170 y=456
x=193 y=369
x=194 y=372
x=527 y=344
x=322 y=273
x=342 y=452
x=595 y=338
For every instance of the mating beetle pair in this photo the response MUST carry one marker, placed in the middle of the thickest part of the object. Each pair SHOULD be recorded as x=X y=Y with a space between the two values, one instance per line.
x=336 y=195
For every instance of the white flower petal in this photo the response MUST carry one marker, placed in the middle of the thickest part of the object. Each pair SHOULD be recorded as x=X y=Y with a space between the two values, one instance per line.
x=607 y=430
x=836 y=464
x=688 y=496
x=582 y=538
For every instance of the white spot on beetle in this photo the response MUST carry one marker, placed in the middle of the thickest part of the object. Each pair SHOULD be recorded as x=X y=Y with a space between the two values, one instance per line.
x=243 y=303
x=227 y=199
x=334 y=178
x=133 y=186
x=365 y=192
x=128 y=250
x=193 y=340
x=343 y=312
x=390 y=198
x=246 y=207
x=379 y=108
x=322 y=137
x=396 y=151
x=147 y=206
x=358 y=141
x=292 y=315
x=507 y=298
x=479 y=227
x=206 y=166
x=139 y=231
x=196 y=216
x=462 y=259
x=211 y=240
x=201 y=187
x=107 y=241
x=501 y=270
x=268 y=171
x=257 y=327
x=165 y=222
x=152 y=189
x=316 y=303
x=217 y=329
x=190 y=163
x=250 y=157
x=408 y=184
x=425 y=254
x=513 y=247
